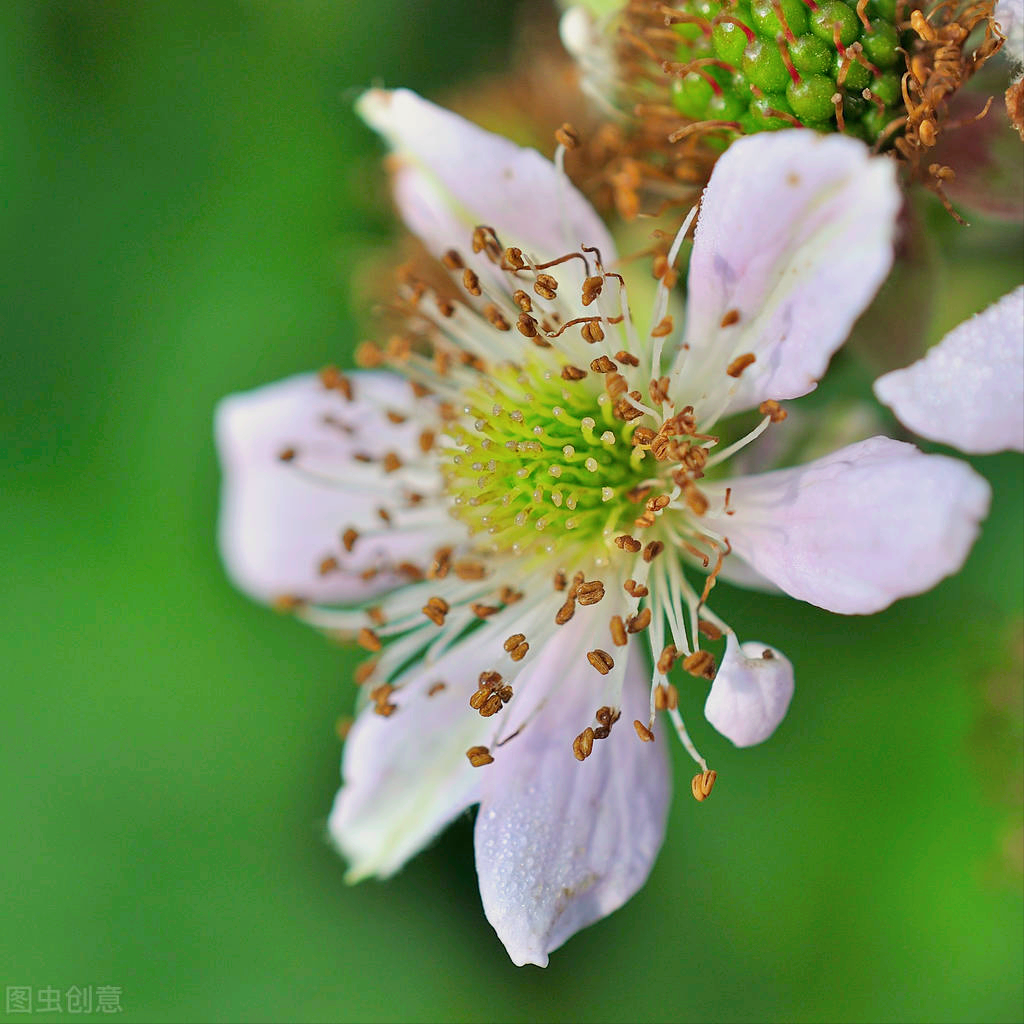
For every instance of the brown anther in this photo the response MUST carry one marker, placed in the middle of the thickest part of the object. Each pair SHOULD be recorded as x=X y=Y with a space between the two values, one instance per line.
x=573 y=373
x=602 y=364
x=666 y=697
x=514 y=258
x=663 y=328
x=441 y=565
x=740 y=363
x=368 y=640
x=635 y=589
x=583 y=744
x=364 y=670
x=642 y=522
x=396 y=417
x=702 y=784
x=656 y=504
x=695 y=500
x=567 y=136
x=639 y=622
x=383 y=515
x=771 y=408
x=287 y=603
x=577 y=579
x=627 y=358
x=618 y=631
x=479 y=756
x=509 y=595
x=380 y=696
x=484 y=611
x=452 y=260
x=591 y=332
x=435 y=689
x=667 y=659
x=592 y=289
x=546 y=286
x=469 y=570
x=368 y=355
x=342 y=727
x=487 y=702
x=495 y=318
x=730 y=318
x=653 y=549
x=709 y=629
x=590 y=593
x=700 y=664
x=560 y=580
x=642 y=436
x=658 y=390
x=601 y=660
x=927 y=132
x=376 y=615
x=327 y=565
x=566 y=612
x=514 y=641
x=615 y=384
x=526 y=325
x=522 y=300
x=334 y=380
x=471 y=282
x=391 y=462
x=519 y=652
x=628 y=543
x=286 y=454
x=436 y=609
x=624 y=409
x=426 y=440
x=484 y=240
x=410 y=570
x=643 y=732
x=638 y=493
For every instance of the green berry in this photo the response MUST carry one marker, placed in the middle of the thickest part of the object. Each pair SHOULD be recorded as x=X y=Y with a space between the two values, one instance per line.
x=857 y=76
x=729 y=41
x=691 y=95
x=828 y=14
x=810 y=55
x=763 y=65
x=765 y=108
x=767 y=23
x=880 y=44
x=888 y=89
x=811 y=98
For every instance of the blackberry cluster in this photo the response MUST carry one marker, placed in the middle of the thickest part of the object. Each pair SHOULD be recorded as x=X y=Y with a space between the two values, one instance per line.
x=761 y=65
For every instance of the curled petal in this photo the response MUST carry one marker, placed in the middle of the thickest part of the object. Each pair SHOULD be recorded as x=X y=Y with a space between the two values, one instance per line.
x=451 y=176
x=852 y=532
x=561 y=843
x=968 y=391
x=291 y=487
x=751 y=693
x=795 y=235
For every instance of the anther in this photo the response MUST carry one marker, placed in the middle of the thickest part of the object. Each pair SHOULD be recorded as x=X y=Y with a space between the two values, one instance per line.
x=628 y=543
x=286 y=454
x=327 y=565
x=667 y=659
x=663 y=328
x=583 y=744
x=566 y=612
x=364 y=670
x=771 y=408
x=514 y=258
x=700 y=664
x=592 y=289
x=479 y=756
x=730 y=318
x=709 y=629
x=618 y=631
x=567 y=136
x=484 y=611
x=635 y=589
x=702 y=784
x=695 y=500
x=522 y=300
x=658 y=390
x=546 y=286
x=573 y=373
x=436 y=609
x=590 y=593
x=426 y=440
x=391 y=462
x=495 y=318
x=435 y=689
x=666 y=698
x=469 y=570
x=643 y=732
x=639 y=622
x=368 y=640
x=740 y=363
x=334 y=380
x=653 y=549
x=603 y=365
x=471 y=282
x=591 y=332
x=627 y=358
x=601 y=660
x=642 y=436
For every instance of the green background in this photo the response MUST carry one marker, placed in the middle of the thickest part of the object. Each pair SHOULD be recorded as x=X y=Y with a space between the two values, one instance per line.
x=187 y=196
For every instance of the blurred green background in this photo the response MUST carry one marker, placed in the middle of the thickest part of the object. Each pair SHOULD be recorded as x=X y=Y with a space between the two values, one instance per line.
x=187 y=196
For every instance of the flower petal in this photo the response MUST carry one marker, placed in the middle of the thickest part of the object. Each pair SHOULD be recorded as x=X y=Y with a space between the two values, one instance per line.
x=751 y=692
x=452 y=176
x=852 y=532
x=968 y=391
x=1010 y=16
x=795 y=235
x=291 y=487
x=561 y=843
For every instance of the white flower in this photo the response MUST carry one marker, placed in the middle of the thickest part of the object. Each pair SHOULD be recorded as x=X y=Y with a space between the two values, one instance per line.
x=541 y=477
x=967 y=391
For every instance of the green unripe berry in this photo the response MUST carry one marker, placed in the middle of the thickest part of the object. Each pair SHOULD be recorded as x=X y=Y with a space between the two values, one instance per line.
x=691 y=95
x=730 y=106
x=880 y=45
x=811 y=98
x=884 y=9
x=763 y=109
x=729 y=41
x=857 y=76
x=875 y=121
x=767 y=23
x=830 y=13
x=810 y=55
x=763 y=65
x=887 y=88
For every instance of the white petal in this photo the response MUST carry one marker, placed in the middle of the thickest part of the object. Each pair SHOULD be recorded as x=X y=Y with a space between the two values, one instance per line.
x=968 y=391
x=751 y=693
x=795 y=236
x=453 y=176
x=279 y=520
x=405 y=777
x=562 y=843
x=870 y=523
x=1010 y=16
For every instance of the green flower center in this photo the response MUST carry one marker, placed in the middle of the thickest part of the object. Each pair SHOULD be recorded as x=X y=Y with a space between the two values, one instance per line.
x=537 y=464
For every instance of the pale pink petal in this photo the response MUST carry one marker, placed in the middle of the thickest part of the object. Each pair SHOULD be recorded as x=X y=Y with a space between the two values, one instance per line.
x=968 y=391
x=279 y=519
x=794 y=238
x=751 y=692
x=1010 y=16
x=406 y=776
x=562 y=843
x=873 y=522
x=451 y=176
